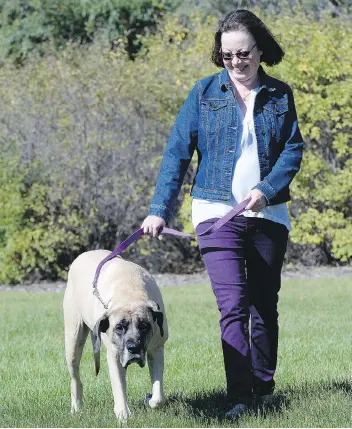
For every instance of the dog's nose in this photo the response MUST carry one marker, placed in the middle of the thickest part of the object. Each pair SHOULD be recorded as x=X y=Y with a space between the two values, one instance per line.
x=133 y=347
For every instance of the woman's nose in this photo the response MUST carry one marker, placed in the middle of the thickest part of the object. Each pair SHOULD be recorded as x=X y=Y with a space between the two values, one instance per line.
x=235 y=61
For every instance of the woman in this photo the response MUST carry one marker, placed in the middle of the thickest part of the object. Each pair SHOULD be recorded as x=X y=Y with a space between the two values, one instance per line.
x=243 y=125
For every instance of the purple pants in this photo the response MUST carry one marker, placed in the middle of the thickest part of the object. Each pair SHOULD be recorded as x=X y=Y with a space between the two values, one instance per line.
x=244 y=260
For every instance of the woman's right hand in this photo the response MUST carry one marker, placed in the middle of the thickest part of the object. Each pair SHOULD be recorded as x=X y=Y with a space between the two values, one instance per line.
x=152 y=225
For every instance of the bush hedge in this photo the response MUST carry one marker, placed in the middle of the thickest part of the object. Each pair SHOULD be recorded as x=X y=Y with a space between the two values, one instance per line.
x=31 y=28
x=83 y=132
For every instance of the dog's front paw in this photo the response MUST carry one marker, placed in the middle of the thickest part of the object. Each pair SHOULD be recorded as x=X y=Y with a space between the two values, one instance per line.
x=76 y=406
x=153 y=401
x=122 y=414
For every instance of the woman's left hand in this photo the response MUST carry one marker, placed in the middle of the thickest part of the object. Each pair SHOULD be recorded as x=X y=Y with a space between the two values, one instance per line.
x=257 y=202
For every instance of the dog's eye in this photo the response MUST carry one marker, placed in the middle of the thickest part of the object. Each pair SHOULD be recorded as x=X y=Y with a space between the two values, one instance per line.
x=120 y=327
x=143 y=326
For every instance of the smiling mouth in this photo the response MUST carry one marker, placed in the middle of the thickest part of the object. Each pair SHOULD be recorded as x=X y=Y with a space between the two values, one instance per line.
x=240 y=70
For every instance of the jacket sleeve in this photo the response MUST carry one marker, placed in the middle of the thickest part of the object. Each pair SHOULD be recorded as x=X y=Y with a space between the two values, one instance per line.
x=289 y=161
x=176 y=157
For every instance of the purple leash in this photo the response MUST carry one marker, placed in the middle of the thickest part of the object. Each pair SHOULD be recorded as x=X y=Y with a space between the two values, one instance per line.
x=236 y=211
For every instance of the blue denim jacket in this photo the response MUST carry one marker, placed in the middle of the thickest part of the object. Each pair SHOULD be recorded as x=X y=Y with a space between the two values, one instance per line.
x=208 y=123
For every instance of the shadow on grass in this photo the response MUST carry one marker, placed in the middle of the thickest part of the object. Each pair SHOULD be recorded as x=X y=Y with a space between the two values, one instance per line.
x=344 y=386
x=212 y=405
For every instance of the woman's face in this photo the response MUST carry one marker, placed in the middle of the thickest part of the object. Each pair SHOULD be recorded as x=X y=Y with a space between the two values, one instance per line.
x=243 y=69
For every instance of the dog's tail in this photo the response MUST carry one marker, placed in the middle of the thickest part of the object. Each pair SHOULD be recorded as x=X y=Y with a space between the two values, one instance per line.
x=96 y=357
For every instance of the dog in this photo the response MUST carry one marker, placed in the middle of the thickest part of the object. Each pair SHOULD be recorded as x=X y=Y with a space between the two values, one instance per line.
x=133 y=328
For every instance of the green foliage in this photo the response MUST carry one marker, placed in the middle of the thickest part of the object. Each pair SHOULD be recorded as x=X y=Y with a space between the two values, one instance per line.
x=315 y=8
x=26 y=27
x=11 y=203
x=85 y=147
x=175 y=52
x=318 y=68
x=37 y=27
x=83 y=132
x=35 y=241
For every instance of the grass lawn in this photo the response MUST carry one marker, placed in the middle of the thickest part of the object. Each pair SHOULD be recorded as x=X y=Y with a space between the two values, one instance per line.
x=314 y=377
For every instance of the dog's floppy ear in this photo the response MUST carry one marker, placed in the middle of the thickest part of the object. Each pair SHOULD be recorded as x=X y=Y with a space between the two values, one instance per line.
x=157 y=315
x=102 y=325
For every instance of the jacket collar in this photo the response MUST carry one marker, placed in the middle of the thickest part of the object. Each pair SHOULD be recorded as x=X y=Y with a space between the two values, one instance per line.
x=265 y=81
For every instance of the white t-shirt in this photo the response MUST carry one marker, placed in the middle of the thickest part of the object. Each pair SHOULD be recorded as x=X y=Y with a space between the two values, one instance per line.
x=246 y=176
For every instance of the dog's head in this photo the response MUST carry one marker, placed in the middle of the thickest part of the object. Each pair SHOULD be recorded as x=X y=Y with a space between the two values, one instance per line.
x=129 y=329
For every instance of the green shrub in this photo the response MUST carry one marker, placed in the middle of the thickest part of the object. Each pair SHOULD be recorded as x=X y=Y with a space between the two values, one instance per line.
x=84 y=133
x=36 y=242
x=27 y=27
x=84 y=154
x=317 y=67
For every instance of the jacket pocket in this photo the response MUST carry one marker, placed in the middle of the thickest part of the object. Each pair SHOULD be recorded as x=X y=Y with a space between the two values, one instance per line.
x=276 y=113
x=213 y=115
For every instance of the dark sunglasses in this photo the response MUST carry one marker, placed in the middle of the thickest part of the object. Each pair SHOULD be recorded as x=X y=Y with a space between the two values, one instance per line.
x=242 y=55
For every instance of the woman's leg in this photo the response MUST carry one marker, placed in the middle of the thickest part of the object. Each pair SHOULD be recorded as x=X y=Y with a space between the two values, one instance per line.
x=224 y=258
x=264 y=258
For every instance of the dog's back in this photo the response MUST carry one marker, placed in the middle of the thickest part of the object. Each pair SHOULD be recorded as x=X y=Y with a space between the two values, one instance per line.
x=119 y=283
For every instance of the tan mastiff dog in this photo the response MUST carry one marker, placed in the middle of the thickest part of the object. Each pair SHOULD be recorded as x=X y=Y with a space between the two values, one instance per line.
x=132 y=328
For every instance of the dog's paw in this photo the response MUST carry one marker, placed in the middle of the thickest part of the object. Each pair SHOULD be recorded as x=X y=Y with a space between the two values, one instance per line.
x=76 y=407
x=153 y=402
x=123 y=414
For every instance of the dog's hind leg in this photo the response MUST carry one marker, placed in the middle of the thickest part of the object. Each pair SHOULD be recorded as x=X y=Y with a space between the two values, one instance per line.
x=76 y=333
x=156 y=370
